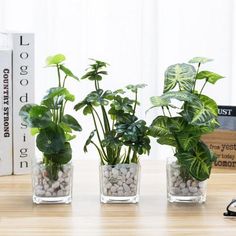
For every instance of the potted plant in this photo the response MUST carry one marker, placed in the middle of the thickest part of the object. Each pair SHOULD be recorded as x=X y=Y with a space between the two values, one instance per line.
x=121 y=136
x=52 y=171
x=181 y=127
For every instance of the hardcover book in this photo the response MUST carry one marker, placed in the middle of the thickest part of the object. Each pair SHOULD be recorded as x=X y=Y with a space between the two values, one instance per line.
x=5 y=111
x=23 y=93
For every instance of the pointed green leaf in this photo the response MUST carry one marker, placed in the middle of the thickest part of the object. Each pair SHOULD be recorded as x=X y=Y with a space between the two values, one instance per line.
x=198 y=161
x=88 y=141
x=159 y=127
x=68 y=72
x=182 y=75
x=71 y=122
x=211 y=77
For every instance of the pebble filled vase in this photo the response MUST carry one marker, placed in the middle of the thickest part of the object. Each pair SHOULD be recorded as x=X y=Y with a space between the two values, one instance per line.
x=52 y=185
x=182 y=187
x=120 y=183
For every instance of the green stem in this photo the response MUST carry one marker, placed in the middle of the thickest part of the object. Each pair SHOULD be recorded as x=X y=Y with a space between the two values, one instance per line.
x=198 y=67
x=59 y=76
x=100 y=122
x=64 y=81
x=105 y=119
x=98 y=135
x=127 y=158
x=136 y=101
x=169 y=111
x=203 y=86
x=163 y=111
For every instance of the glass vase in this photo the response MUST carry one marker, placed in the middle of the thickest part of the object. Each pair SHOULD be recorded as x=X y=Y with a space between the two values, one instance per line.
x=181 y=187
x=52 y=184
x=120 y=183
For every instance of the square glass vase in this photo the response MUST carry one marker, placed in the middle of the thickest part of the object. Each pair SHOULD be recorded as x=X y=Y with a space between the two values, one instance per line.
x=182 y=188
x=52 y=185
x=119 y=183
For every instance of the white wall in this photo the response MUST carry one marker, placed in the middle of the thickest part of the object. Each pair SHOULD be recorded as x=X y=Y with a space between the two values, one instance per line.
x=139 y=38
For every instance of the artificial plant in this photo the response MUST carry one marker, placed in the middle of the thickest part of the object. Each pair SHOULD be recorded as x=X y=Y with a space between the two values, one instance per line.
x=48 y=121
x=121 y=136
x=182 y=125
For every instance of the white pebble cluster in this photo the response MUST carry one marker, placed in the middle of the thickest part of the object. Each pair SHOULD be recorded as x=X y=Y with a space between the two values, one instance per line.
x=45 y=187
x=179 y=187
x=119 y=180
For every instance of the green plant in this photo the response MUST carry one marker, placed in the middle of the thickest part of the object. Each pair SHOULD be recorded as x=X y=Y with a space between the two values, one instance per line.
x=121 y=136
x=50 y=123
x=196 y=115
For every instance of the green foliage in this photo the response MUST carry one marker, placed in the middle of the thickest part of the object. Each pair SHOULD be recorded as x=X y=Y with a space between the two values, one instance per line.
x=121 y=137
x=197 y=115
x=53 y=128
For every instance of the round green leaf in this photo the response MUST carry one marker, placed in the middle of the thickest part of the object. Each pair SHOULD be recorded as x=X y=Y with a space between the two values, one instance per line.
x=51 y=139
x=200 y=60
x=211 y=77
x=55 y=60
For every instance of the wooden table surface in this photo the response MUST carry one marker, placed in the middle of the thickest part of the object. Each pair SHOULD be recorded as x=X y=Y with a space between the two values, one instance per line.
x=86 y=216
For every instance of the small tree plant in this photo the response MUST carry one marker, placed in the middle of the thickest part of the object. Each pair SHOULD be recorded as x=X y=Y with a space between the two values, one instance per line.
x=121 y=136
x=48 y=121
x=182 y=126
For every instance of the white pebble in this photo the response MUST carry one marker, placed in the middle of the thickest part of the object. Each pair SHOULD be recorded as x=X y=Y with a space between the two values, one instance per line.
x=113 y=189
x=189 y=182
x=108 y=185
x=182 y=185
x=129 y=181
x=60 y=173
x=55 y=185
x=127 y=175
x=193 y=189
x=123 y=170
x=120 y=188
x=106 y=174
x=120 y=183
x=120 y=193
x=60 y=193
x=132 y=170
x=115 y=172
x=176 y=173
x=48 y=194
x=194 y=184
x=126 y=187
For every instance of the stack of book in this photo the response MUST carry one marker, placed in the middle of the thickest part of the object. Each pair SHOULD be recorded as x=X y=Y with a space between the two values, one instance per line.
x=17 y=146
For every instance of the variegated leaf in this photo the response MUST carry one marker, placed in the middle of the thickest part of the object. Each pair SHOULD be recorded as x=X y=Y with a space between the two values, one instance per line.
x=182 y=75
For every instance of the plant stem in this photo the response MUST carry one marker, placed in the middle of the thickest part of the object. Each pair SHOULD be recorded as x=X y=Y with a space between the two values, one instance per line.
x=203 y=86
x=127 y=158
x=100 y=122
x=135 y=103
x=169 y=111
x=163 y=111
x=59 y=76
x=198 y=67
x=98 y=135
x=64 y=81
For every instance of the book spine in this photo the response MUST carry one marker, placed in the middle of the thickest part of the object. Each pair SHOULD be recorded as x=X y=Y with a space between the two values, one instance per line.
x=23 y=93
x=5 y=112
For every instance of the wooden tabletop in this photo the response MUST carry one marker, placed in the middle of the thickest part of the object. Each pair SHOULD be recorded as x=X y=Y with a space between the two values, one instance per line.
x=152 y=216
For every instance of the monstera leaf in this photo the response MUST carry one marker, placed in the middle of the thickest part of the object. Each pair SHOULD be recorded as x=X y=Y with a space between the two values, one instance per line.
x=200 y=113
x=182 y=75
x=198 y=161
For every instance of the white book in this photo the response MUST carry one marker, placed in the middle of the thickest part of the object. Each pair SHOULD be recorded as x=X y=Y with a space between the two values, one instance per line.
x=5 y=112
x=23 y=93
